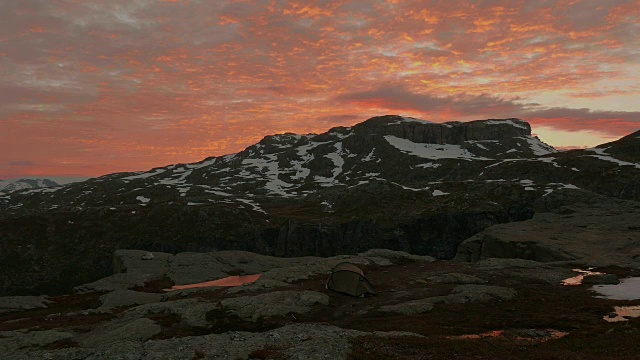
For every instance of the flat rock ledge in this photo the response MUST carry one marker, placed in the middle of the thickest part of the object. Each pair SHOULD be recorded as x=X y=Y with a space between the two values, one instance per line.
x=278 y=303
x=132 y=270
x=461 y=294
x=304 y=341
x=119 y=298
x=17 y=303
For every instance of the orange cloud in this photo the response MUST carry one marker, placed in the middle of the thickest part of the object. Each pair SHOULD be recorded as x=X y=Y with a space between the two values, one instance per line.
x=150 y=83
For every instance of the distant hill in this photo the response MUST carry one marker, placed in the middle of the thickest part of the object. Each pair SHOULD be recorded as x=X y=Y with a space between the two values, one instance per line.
x=7 y=186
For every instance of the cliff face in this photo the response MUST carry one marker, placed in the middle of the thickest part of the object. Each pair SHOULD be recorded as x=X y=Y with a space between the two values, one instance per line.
x=446 y=133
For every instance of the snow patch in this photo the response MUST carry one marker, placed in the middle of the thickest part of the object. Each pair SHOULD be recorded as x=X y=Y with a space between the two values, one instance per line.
x=271 y=171
x=431 y=151
x=614 y=160
x=538 y=147
x=255 y=206
x=508 y=121
x=428 y=165
x=370 y=156
x=438 y=193
x=143 y=199
x=145 y=174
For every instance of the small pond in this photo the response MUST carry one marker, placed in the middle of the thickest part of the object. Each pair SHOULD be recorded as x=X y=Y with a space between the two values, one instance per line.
x=628 y=289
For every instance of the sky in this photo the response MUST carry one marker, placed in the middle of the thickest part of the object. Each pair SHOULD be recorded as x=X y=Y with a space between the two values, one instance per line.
x=91 y=87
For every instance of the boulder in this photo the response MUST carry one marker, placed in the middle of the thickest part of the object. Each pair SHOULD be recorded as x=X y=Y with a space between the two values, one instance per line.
x=594 y=234
x=120 y=298
x=191 y=268
x=130 y=270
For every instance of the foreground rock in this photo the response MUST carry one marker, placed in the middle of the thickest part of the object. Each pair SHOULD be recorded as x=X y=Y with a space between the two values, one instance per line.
x=461 y=294
x=138 y=330
x=596 y=234
x=132 y=270
x=292 y=341
x=277 y=303
x=14 y=303
x=120 y=298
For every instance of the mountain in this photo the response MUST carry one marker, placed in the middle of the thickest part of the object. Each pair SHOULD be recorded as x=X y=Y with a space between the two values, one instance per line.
x=391 y=181
x=7 y=186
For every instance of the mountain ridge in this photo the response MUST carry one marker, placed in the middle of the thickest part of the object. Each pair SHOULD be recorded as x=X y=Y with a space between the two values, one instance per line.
x=390 y=182
x=7 y=186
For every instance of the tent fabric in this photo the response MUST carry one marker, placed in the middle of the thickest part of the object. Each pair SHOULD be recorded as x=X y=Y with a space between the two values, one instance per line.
x=349 y=279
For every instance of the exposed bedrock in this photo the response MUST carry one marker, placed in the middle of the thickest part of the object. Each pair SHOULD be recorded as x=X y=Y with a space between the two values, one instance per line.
x=69 y=259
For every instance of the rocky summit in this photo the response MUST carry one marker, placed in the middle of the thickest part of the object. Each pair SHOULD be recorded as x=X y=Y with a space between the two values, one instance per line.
x=467 y=231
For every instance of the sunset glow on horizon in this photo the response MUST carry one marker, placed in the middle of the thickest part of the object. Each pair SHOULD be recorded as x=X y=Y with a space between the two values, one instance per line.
x=92 y=87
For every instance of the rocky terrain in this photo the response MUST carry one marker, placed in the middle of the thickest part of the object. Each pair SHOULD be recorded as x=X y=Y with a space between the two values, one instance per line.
x=466 y=230
x=389 y=182
x=491 y=308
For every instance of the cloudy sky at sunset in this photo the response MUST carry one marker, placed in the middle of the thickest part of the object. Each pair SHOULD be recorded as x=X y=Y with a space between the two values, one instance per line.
x=89 y=87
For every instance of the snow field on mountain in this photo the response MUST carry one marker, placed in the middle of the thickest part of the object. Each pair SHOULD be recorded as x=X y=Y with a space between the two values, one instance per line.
x=431 y=151
x=502 y=122
x=538 y=147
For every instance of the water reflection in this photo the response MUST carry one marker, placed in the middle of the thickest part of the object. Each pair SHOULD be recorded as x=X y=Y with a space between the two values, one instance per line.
x=577 y=280
x=628 y=289
x=623 y=313
x=521 y=335
x=228 y=281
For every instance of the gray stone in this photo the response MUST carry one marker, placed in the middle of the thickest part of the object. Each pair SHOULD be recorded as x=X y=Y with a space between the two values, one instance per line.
x=410 y=307
x=120 y=298
x=395 y=255
x=595 y=234
x=18 y=303
x=130 y=270
x=136 y=330
x=15 y=340
x=601 y=279
x=131 y=262
x=190 y=268
x=192 y=312
x=456 y=278
x=276 y=303
x=526 y=269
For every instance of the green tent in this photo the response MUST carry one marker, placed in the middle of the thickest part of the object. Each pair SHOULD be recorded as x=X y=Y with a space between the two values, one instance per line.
x=349 y=279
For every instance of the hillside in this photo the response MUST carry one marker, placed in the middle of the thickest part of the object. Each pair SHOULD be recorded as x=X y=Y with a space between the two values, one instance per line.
x=390 y=182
